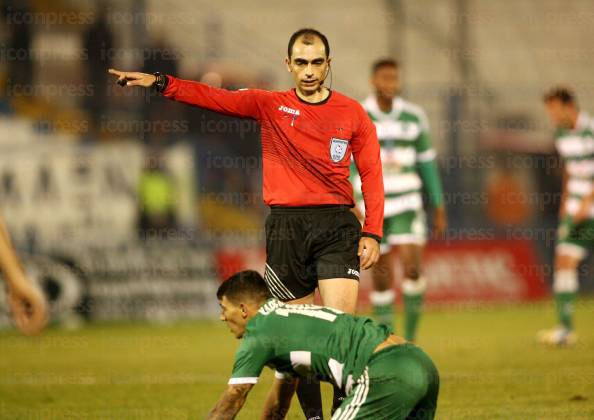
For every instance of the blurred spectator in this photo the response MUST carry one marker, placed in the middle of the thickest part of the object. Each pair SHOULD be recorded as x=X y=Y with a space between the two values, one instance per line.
x=98 y=44
x=20 y=67
x=160 y=57
x=156 y=199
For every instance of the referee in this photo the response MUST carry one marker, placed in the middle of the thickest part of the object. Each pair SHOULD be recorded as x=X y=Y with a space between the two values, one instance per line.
x=308 y=135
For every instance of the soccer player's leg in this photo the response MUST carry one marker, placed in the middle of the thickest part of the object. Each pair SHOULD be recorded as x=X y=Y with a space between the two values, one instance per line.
x=413 y=288
x=400 y=382
x=308 y=388
x=341 y=294
x=337 y=266
x=382 y=297
x=574 y=242
x=292 y=278
x=409 y=235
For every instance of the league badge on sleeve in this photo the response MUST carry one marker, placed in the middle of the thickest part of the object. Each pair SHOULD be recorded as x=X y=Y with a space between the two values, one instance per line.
x=338 y=148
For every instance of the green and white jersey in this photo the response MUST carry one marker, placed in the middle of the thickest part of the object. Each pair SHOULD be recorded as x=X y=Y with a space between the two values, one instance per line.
x=576 y=147
x=302 y=339
x=408 y=158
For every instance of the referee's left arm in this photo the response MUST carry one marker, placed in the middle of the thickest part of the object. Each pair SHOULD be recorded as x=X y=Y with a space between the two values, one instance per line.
x=366 y=151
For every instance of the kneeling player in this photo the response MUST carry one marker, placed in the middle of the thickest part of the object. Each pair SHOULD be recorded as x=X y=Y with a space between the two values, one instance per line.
x=384 y=376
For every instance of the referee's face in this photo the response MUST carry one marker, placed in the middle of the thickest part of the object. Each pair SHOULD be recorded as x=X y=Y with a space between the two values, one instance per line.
x=309 y=65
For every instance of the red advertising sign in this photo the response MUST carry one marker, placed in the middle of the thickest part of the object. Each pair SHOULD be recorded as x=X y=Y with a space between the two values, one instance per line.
x=478 y=270
x=459 y=271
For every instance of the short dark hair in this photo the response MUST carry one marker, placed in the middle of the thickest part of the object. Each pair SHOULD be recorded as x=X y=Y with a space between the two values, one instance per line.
x=560 y=93
x=245 y=284
x=308 y=33
x=384 y=62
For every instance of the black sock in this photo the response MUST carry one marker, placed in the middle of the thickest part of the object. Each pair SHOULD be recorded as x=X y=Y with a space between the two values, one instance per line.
x=339 y=397
x=310 y=397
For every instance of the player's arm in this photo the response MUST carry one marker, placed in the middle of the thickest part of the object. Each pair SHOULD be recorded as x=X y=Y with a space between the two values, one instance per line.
x=241 y=103
x=230 y=402
x=279 y=397
x=250 y=358
x=366 y=152
x=26 y=301
x=429 y=173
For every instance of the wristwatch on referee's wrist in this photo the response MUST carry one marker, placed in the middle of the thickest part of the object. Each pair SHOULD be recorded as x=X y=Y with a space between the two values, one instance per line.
x=160 y=83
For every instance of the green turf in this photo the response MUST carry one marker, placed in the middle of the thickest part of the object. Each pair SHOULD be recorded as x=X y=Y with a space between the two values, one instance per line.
x=490 y=366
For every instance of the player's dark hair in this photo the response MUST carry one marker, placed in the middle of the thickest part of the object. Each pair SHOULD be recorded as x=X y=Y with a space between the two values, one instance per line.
x=308 y=34
x=244 y=284
x=560 y=93
x=384 y=62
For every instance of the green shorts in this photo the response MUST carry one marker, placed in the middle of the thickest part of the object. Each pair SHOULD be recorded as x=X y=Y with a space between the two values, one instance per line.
x=409 y=227
x=575 y=239
x=399 y=382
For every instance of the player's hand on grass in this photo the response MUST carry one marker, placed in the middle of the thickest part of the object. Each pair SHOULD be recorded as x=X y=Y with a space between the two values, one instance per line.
x=368 y=252
x=28 y=306
x=133 y=78
x=440 y=221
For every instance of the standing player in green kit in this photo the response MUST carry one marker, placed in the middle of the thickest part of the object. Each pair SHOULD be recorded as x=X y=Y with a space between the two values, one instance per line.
x=574 y=140
x=408 y=161
x=383 y=376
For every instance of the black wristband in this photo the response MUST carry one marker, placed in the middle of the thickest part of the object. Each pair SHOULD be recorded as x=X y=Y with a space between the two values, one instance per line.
x=161 y=82
x=371 y=235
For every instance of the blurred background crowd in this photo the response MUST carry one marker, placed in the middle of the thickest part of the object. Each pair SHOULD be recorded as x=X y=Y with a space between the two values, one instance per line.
x=127 y=205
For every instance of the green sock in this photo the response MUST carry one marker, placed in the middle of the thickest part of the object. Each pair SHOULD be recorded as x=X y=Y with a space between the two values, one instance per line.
x=565 y=286
x=413 y=291
x=383 y=307
x=565 y=303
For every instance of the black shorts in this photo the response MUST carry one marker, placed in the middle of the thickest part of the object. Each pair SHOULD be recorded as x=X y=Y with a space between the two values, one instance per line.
x=307 y=244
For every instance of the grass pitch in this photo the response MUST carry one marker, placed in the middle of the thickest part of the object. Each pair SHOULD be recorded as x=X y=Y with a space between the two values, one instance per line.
x=490 y=368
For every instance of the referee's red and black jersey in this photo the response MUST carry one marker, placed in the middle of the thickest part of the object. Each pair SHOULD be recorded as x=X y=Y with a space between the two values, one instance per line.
x=306 y=147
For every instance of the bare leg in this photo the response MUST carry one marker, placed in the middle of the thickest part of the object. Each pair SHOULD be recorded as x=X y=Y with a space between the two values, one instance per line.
x=308 y=388
x=413 y=287
x=339 y=294
x=382 y=297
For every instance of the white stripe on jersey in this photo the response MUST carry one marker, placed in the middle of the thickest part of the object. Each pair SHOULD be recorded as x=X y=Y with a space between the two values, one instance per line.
x=573 y=250
x=401 y=156
x=399 y=205
x=401 y=130
x=426 y=156
x=396 y=183
x=580 y=169
x=573 y=205
x=241 y=381
x=575 y=146
x=578 y=186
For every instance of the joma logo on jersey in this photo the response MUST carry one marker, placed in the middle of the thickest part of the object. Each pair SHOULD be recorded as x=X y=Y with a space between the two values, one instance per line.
x=354 y=272
x=288 y=110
